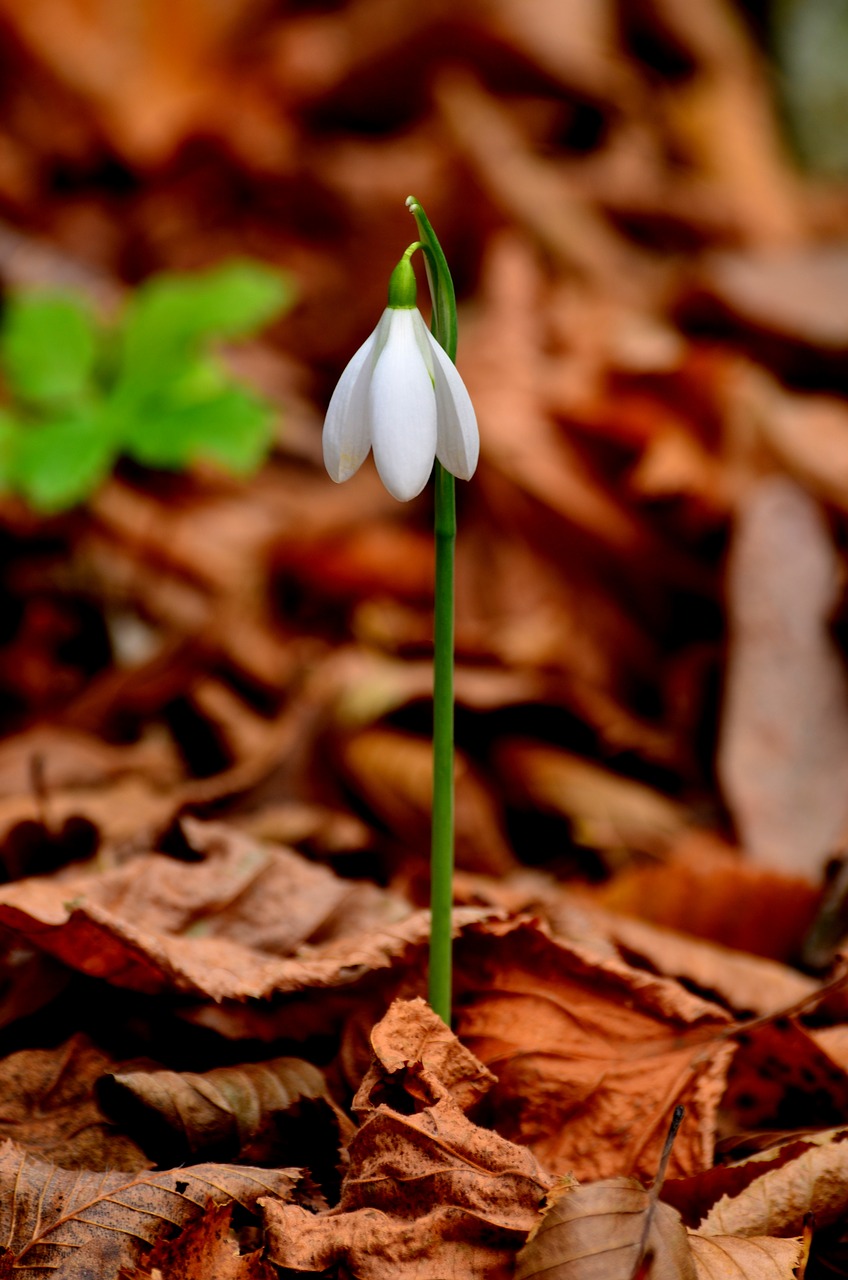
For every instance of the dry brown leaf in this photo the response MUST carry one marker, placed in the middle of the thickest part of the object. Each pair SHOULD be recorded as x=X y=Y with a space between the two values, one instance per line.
x=795 y=298
x=158 y=924
x=591 y=1055
x=607 y=812
x=783 y=756
x=414 y=1050
x=394 y=774
x=502 y=362
x=807 y=1176
x=769 y=1191
x=532 y=191
x=80 y=1223
x=208 y=1247
x=242 y=905
x=743 y=1258
x=806 y=435
x=249 y=1112
x=782 y=1079
x=606 y=1229
x=746 y=984
x=427 y=1193
x=707 y=890
x=50 y=1108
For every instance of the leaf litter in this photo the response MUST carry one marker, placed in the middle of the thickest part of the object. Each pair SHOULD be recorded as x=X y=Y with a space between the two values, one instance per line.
x=214 y=691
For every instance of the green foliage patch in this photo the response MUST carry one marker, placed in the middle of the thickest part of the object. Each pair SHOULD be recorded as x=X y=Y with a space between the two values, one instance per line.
x=81 y=394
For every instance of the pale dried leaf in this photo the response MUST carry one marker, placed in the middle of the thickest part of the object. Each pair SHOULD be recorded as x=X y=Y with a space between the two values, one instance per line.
x=744 y=1258
x=595 y=1232
x=783 y=756
x=807 y=1176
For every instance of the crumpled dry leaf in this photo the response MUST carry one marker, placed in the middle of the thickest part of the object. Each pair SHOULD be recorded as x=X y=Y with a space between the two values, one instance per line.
x=214 y=926
x=414 y=1050
x=82 y=1223
x=783 y=755
x=427 y=1193
x=607 y=1229
x=249 y=1112
x=754 y=1258
x=591 y=1055
x=50 y=1108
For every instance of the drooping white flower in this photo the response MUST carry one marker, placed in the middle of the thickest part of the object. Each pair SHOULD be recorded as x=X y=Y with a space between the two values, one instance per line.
x=401 y=396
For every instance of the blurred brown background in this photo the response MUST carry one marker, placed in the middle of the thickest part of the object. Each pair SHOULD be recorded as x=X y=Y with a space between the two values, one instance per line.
x=644 y=208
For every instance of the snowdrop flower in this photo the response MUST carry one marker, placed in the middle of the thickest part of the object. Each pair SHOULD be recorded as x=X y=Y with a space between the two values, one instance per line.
x=401 y=396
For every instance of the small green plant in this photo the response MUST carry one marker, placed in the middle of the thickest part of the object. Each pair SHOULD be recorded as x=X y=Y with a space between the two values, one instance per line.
x=80 y=394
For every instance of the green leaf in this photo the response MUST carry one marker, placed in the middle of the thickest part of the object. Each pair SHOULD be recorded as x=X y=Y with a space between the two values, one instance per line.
x=9 y=430
x=48 y=346
x=171 y=316
x=810 y=38
x=61 y=462
x=232 y=428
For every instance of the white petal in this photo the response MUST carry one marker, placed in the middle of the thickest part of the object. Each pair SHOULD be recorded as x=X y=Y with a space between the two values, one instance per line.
x=347 y=429
x=458 y=439
x=402 y=411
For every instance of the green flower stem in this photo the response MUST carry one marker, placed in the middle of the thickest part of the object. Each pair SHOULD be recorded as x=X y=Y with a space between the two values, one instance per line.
x=442 y=845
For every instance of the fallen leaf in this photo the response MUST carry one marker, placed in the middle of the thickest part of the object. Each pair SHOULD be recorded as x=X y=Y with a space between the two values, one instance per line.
x=591 y=1055
x=50 y=1108
x=393 y=772
x=414 y=1050
x=781 y=1078
x=783 y=755
x=809 y=1176
x=256 y=1112
x=769 y=1192
x=607 y=1229
x=159 y=924
x=754 y=1258
x=426 y=1176
x=797 y=297
x=606 y=812
x=704 y=888
x=79 y=1223
x=208 y=1247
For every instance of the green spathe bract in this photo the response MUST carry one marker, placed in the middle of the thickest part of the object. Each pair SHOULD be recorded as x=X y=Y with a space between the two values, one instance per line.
x=84 y=394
